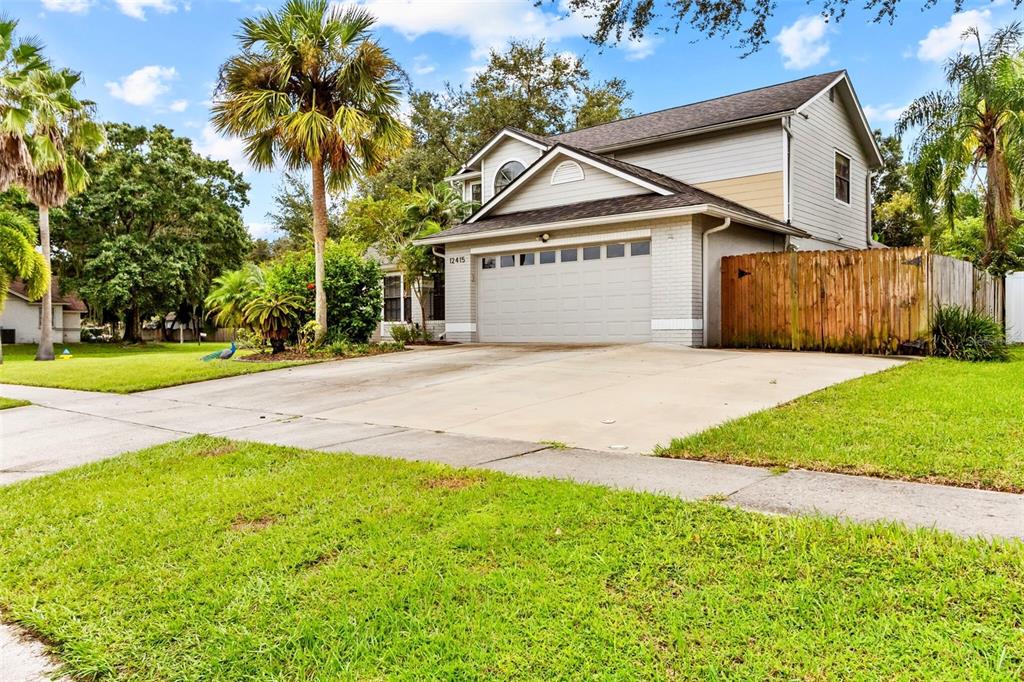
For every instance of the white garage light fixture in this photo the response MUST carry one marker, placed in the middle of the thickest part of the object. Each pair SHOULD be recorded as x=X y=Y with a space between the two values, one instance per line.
x=544 y=237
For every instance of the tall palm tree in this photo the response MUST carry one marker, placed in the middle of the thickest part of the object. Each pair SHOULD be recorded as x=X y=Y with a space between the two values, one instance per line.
x=60 y=132
x=311 y=88
x=19 y=59
x=977 y=125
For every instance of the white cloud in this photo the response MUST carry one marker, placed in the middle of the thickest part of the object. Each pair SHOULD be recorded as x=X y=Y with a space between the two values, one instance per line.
x=143 y=86
x=944 y=41
x=421 y=65
x=885 y=113
x=262 y=231
x=137 y=8
x=485 y=25
x=72 y=6
x=179 y=105
x=640 y=49
x=231 y=149
x=803 y=43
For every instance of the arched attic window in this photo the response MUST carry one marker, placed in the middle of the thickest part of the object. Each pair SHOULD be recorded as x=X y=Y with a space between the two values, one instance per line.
x=506 y=174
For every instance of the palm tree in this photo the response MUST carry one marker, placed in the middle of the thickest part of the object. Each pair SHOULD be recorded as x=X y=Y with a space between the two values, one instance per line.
x=976 y=125
x=19 y=259
x=273 y=314
x=59 y=133
x=232 y=292
x=311 y=88
x=19 y=59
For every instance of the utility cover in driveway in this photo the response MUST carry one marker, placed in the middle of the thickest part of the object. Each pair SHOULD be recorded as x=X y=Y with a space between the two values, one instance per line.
x=588 y=294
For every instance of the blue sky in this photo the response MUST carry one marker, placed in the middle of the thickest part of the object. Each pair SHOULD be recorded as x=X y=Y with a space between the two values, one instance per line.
x=156 y=61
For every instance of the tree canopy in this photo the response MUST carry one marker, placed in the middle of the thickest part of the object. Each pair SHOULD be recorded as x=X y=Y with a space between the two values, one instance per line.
x=156 y=225
x=526 y=86
x=975 y=126
x=619 y=20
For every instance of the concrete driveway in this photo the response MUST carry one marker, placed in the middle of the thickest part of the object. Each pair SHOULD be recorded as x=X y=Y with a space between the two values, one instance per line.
x=628 y=398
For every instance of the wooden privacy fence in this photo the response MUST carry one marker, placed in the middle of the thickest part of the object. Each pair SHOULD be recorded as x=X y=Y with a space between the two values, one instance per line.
x=871 y=301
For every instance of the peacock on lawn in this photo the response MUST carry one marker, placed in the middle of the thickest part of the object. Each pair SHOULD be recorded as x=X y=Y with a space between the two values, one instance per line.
x=221 y=354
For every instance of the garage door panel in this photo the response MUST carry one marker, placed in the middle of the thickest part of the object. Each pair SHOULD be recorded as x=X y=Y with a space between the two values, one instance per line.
x=593 y=301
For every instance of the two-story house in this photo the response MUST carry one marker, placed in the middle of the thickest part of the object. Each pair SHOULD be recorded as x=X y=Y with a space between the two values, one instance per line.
x=614 y=233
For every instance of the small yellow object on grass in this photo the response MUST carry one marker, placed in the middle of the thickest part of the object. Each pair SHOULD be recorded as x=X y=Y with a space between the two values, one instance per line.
x=66 y=355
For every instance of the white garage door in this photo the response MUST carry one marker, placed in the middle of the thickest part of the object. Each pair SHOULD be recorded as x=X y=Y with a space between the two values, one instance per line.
x=588 y=294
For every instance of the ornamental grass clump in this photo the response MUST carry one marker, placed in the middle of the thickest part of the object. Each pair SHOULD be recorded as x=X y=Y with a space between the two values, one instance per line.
x=968 y=335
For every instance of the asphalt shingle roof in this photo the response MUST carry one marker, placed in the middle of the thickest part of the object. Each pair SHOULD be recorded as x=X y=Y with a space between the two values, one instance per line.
x=764 y=101
x=70 y=301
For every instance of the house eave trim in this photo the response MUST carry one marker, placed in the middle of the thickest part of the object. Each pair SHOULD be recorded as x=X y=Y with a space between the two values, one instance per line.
x=709 y=209
x=504 y=132
x=543 y=162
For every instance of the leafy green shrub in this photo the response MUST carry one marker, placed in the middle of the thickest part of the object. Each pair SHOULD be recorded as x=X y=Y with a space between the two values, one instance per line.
x=274 y=314
x=352 y=284
x=403 y=333
x=346 y=349
x=968 y=335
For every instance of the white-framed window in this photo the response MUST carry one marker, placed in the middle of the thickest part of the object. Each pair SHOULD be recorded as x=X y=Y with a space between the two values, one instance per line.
x=476 y=192
x=842 y=177
x=506 y=174
x=394 y=300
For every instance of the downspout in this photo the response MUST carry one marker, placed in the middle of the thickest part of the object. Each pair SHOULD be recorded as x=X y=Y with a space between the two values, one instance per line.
x=706 y=275
x=787 y=140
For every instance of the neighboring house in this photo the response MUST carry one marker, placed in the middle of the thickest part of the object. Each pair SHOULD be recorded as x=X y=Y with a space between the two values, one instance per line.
x=21 y=319
x=615 y=233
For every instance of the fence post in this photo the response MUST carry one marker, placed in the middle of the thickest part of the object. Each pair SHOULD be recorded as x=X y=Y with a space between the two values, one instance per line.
x=794 y=301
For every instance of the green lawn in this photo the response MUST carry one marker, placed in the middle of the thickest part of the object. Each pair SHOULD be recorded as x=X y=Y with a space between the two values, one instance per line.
x=7 y=403
x=123 y=369
x=933 y=420
x=206 y=559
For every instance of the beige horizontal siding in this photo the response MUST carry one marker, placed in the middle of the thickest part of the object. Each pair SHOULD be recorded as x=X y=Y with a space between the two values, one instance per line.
x=762 y=192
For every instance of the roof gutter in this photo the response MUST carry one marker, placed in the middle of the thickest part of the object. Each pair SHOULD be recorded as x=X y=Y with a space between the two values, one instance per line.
x=709 y=209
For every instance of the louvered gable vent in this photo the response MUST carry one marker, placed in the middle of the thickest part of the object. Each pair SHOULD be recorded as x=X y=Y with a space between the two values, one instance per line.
x=567 y=171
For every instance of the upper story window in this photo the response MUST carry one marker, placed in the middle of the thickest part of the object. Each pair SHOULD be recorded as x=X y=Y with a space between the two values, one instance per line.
x=475 y=192
x=506 y=174
x=842 y=178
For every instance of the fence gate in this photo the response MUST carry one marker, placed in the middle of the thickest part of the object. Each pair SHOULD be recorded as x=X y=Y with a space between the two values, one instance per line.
x=1015 y=307
x=870 y=301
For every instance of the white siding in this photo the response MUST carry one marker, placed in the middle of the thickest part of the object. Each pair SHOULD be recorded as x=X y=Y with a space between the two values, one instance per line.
x=538 y=192
x=813 y=207
x=507 y=150
x=732 y=154
x=23 y=318
x=459 y=294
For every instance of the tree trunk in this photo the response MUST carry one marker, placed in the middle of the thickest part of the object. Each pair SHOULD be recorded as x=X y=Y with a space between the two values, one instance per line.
x=45 y=349
x=131 y=326
x=998 y=201
x=319 y=245
x=421 y=297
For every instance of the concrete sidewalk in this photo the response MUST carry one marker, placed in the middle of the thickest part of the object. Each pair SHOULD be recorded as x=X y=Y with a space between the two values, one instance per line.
x=67 y=428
